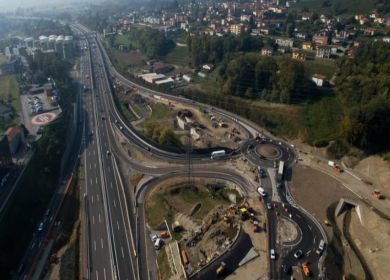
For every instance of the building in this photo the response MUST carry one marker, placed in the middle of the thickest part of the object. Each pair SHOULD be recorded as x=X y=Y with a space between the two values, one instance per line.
x=208 y=67
x=323 y=52
x=161 y=68
x=299 y=55
x=15 y=136
x=151 y=78
x=288 y=43
x=320 y=40
x=319 y=80
x=307 y=46
x=267 y=51
x=187 y=78
x=183 y=118
x=237 y=29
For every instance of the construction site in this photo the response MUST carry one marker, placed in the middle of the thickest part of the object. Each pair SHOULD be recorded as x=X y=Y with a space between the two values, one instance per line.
x=203 y=219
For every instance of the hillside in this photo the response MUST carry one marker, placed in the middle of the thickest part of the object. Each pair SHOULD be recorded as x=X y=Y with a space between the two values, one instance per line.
x=337 y=7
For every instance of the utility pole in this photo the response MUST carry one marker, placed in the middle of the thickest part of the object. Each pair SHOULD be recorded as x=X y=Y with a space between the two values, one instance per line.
x=189 y=157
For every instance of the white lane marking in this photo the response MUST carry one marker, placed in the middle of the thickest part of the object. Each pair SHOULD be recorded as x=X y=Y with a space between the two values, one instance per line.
x=314 y=240
x=308 y=252
x=105 y=275
x=92 y=199
x=123 y=254
x=114 y=203
x=96 y=180
x=97 y=275
x=97 y=197
x=90 y=166
x=100 y=220
x=111 y=185
x=101 y=242
x=93 y=220
x=91 y=181
x=95 y=165
x=117 y=224
x=94 y=245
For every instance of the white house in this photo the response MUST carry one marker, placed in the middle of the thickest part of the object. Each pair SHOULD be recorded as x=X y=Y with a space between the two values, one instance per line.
x=319 y=80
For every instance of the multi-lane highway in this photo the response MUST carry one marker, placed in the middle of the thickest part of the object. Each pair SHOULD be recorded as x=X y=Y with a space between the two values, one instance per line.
x=112 y=231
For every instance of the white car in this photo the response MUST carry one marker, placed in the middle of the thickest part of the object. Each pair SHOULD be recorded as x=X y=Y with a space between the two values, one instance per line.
x=272 y=254
x=155 y=237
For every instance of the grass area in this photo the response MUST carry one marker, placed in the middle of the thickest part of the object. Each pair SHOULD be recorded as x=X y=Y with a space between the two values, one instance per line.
x=324 y=67
x=210 y=83
x=163 y=265
x=159 y=112
x=122 y=40
x=9 y=91
x=178 y=56
x=3 y=58
x=159 y=205
x=127 y=113
x=336 y=6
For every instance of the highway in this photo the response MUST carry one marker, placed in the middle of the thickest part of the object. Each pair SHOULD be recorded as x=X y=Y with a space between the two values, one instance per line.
x=110 y=251
x=311 y=236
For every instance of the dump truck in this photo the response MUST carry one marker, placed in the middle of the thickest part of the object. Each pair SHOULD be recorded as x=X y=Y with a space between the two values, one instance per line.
x=221 y=268
x=306 y=269
x=335 y=166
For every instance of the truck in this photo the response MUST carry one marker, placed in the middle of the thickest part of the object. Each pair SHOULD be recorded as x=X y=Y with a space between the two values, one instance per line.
x=280 y=171
x=218 y=154
x=306 y=269
x=335 y=166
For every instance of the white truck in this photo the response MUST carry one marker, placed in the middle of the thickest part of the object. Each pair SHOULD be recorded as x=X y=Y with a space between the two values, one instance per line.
x=218 y=154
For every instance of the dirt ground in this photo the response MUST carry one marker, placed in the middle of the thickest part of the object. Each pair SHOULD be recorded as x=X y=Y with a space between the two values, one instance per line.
x=258 y=267
x=316 y=191
x=376 y=170
x=373 y=240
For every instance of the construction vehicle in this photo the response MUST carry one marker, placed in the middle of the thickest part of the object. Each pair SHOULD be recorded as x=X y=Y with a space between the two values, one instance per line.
x=326 y=222
x=335 y=166
x=306 y=269
x=164 y=234
x=184 y=257
x=221 y=268
x=377 y=194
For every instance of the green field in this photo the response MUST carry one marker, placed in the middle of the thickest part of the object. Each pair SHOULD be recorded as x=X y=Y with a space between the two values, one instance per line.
x=159 y=203
x=324 y=67
x=122 y=40
x=178 y=56
x=159 y=112
x=9 y=91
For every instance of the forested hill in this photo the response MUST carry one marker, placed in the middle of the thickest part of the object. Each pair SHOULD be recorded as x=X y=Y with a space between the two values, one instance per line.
x=363 y=89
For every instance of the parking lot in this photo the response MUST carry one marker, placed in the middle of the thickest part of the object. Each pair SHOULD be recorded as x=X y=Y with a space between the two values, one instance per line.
x=35 y=104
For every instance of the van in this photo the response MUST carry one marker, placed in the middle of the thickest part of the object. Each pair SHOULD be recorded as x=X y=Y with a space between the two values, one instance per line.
x=262 y=192
x=158 y=243
x=321 y=247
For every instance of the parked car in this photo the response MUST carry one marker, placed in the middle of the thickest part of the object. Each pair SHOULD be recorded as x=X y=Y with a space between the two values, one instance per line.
x=272 y=254
x=298 y=254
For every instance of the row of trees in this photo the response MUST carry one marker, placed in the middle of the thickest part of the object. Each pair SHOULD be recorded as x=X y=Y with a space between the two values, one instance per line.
x=161 y=134
x=151 y=42
x=257 y=77
x=363 y=88
x=214 y=49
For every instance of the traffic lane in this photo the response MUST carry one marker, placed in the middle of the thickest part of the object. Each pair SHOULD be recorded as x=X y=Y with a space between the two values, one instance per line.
x=120 y=238
x=308 y=244
x=231 y=258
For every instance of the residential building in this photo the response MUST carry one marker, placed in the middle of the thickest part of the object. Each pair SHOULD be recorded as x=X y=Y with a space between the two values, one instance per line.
x=151 y=78
x=320 y=40
x=267 y=51
x=323 y=51
x=237 y=29
x=299 y=55
x=307 y=46
x=319 y=80
x=284 y=42
x=208 y=67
